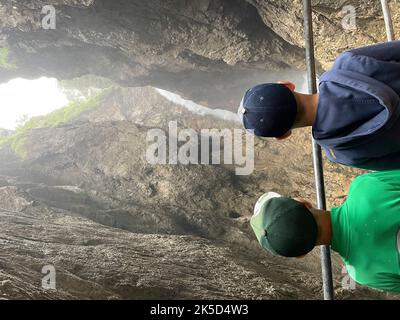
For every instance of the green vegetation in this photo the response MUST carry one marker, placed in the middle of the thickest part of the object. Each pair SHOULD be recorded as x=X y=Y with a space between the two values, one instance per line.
x=63 y=115
x=16 y=141
x=57 y=118
x=5 y=59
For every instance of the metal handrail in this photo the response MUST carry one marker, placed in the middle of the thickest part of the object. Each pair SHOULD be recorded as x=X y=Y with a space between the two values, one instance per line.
x=388 y=20
x=326 y=262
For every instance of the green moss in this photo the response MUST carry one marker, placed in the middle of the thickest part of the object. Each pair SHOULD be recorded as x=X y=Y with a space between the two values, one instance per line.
x=18 y=146
x=17 y=141
x=5 y=59
x=63 y=115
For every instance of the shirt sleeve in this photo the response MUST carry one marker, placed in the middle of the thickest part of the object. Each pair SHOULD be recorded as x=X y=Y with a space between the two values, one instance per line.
x=388 y=51
x=385 y=282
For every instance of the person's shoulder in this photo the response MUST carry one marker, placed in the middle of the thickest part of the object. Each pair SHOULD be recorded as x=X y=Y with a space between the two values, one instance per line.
x=375 y=181
x=343 y=59
x=343 y=62
x=365 y=194
x=366 y=182
x=367 y=178
x=353 y=54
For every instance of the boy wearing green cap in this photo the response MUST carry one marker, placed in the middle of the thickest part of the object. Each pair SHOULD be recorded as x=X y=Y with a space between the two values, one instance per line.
x=365 y=230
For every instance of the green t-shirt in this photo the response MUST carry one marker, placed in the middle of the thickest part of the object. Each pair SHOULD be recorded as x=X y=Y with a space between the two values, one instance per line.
x=366 y=230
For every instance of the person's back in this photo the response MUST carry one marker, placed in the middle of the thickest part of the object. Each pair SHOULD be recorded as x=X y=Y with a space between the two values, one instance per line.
x=366 y=230
x=358 y=117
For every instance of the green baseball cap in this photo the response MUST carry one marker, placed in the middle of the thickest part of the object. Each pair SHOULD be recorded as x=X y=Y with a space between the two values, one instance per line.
x=283 y=226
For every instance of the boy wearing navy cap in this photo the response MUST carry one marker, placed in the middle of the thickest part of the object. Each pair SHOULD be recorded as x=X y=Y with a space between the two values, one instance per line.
x=355 y=117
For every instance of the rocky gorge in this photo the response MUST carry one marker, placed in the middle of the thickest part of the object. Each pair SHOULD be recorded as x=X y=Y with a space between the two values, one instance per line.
x=76 y=191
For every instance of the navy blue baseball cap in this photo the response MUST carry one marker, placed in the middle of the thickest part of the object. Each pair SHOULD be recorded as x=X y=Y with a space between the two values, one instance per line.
x=269 y=109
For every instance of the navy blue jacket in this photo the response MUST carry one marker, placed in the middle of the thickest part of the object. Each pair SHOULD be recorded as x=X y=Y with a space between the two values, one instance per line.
x=358 y=117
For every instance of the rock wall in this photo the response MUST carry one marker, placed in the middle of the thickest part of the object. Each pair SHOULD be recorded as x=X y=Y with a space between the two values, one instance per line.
x=203 y=50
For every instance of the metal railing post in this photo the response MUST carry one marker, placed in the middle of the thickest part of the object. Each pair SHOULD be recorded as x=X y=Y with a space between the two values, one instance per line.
x=388 y=20
x=317 y=154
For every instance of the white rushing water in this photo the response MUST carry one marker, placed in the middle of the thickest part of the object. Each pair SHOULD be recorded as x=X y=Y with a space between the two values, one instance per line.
x=297 y=77
x=199 y=109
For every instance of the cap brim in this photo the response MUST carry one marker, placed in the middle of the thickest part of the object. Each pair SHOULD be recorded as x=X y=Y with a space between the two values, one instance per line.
x=263 y=199
x=256 y=224
x=241 y=111
x=249 y=127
